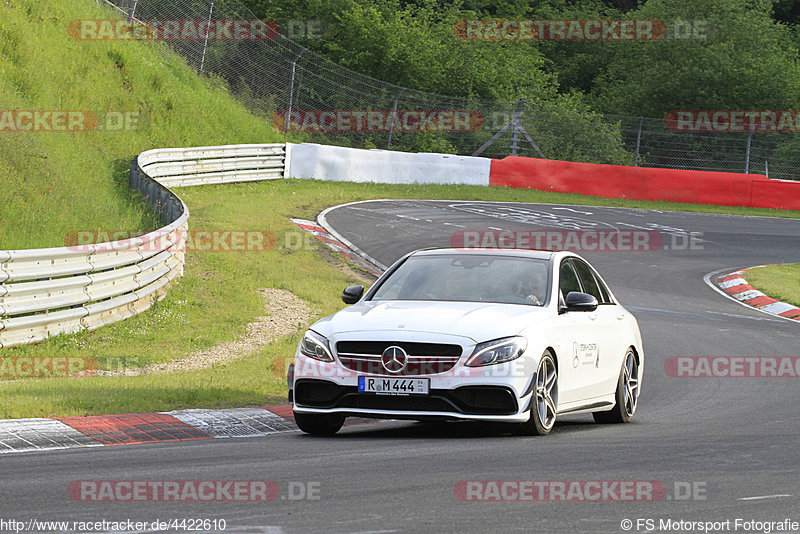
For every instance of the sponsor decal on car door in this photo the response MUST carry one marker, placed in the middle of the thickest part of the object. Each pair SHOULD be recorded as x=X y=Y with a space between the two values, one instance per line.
x=579 y=334
x=607 y=363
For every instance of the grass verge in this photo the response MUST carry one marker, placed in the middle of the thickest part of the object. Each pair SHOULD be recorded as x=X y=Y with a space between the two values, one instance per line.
x=780 y=282
x=219 y=295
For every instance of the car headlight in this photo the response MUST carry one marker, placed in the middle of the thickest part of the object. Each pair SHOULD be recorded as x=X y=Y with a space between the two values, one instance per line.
x=316 y=346
x=497 y=351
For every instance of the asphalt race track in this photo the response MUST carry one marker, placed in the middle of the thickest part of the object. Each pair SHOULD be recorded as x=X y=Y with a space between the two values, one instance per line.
x=734 y=441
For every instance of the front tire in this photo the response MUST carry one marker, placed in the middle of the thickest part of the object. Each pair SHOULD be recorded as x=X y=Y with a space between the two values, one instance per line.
x=544 y=401
x=319 y=424
x=627 y=395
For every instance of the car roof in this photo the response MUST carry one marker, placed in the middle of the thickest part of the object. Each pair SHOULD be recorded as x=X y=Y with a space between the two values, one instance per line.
x=516 y=252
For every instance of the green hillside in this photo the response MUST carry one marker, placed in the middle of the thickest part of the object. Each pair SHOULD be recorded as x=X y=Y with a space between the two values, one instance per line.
x=54 y=182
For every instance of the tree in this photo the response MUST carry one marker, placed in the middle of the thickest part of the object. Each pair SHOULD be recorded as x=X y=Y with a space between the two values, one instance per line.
x=737 y=58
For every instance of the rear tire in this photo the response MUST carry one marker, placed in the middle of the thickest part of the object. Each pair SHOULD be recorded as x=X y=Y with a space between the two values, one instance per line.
x=319 y=424
x=544 y=400
x=627 y=395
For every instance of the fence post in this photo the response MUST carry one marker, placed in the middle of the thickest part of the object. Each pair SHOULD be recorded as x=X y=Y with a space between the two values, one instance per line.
x=133 y=11
x=516 y=126
x=515 y=131
x=747 y=153
x=205 y=42
x=394 y=118
x=638 y=143
x=291 y=89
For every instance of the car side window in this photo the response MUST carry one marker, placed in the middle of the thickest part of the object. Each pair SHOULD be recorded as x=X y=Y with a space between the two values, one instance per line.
x=568 y=280
x=588 y=281
x=603 y=289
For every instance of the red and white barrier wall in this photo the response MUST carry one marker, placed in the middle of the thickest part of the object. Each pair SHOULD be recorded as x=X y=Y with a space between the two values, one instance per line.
x=644 y=183
x=342 y=164
x=324 y=162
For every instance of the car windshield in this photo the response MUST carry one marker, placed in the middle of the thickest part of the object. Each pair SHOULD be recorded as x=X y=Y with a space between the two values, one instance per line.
x=470 y=278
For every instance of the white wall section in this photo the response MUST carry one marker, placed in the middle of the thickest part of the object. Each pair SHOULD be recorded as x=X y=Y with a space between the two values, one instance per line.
x=342 y=164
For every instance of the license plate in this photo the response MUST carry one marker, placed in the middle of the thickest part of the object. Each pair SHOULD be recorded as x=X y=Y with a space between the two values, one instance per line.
x=393 y=386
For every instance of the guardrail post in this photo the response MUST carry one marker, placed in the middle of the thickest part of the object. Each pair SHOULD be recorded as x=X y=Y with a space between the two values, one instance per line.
x=163 y=203
x=136 y=176
x=178 y=210
x=151 y=190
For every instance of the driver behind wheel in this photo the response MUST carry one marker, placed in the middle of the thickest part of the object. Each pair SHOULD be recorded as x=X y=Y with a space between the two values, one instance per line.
x=531 y=288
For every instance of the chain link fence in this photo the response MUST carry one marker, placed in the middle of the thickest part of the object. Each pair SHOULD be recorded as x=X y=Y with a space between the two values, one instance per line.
x=302 y=92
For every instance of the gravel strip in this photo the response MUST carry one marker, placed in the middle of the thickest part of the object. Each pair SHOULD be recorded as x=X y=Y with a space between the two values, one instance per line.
x=285 y=314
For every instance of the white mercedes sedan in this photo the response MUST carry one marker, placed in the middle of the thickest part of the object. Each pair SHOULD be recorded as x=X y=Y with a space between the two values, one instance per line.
x=515 y=336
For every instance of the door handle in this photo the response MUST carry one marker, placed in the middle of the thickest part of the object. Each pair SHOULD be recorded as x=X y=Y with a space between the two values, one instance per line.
x=593 y=317
x=621 y=316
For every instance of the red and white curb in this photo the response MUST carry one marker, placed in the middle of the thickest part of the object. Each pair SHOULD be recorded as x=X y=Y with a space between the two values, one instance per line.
x=336 y=244
x=735 y=285
x=42 y=434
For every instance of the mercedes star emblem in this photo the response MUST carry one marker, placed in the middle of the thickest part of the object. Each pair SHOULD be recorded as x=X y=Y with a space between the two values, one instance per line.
x=394 y=359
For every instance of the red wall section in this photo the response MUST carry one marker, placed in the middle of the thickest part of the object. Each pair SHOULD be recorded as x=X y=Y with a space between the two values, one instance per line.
x=644 y=183
x=776 y=194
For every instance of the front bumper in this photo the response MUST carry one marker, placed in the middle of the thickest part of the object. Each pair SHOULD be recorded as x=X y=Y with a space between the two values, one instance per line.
x=499 y=393
x=466 y=401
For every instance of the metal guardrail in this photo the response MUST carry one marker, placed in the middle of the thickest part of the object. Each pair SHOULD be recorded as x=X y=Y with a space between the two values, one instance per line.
x=182 y=167
x=50 y=291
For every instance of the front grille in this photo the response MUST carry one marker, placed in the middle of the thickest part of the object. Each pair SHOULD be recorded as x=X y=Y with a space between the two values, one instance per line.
x=423 y=358
x=411 y=347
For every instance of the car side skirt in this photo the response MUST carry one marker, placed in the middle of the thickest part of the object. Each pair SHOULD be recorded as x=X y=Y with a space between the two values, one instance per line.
x=603 y=405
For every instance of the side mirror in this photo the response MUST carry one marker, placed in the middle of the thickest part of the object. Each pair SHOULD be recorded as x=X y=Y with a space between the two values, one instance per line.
x=583 y=302
x=353 y=294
